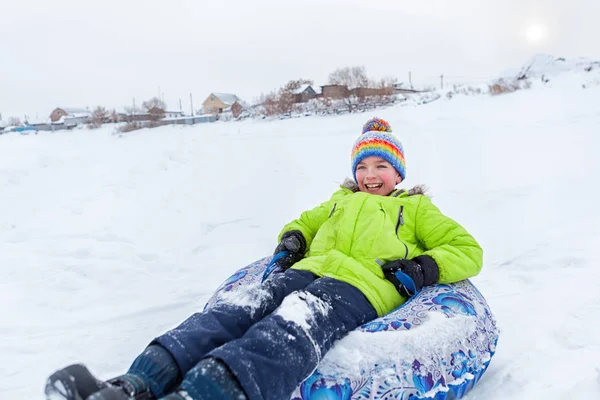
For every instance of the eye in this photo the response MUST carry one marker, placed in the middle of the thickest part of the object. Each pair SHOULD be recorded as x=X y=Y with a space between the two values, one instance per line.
x=382 y=166
x=360 y=167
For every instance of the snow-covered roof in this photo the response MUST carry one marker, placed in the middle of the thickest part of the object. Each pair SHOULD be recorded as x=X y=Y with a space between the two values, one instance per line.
x=402 y=85
x=301 y=89
x=227 y=98
x=73 y=112
x=409 y=86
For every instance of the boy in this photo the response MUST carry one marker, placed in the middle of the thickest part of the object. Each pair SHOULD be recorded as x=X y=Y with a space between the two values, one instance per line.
x=353 y=258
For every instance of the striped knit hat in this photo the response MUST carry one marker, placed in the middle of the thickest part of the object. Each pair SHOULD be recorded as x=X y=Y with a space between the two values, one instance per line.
x=377 y=140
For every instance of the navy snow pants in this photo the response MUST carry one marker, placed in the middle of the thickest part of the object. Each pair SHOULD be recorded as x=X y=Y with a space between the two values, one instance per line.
x=272 y=336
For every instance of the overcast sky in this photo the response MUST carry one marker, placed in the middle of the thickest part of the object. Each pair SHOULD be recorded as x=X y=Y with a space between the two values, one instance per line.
x=77 y=53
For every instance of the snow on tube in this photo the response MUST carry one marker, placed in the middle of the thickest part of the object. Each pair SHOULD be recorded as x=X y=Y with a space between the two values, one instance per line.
x=435 y=346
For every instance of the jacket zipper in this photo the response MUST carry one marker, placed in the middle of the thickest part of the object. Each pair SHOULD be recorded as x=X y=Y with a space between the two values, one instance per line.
x=400 y=222
x=332 y=210
x=400 y=219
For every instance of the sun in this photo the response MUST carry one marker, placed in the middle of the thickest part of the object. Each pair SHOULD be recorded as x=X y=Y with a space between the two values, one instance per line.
x=535 y=33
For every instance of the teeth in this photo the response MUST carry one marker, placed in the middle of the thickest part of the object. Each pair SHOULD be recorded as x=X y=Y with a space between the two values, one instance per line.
x=374 y=186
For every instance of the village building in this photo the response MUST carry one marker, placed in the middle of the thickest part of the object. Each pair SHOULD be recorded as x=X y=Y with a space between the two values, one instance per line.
x=334 y=91
x=159 y=113
x=236 y=109
x=304 y=93
x=216 y=103
x=70 y=116
x=363 y=92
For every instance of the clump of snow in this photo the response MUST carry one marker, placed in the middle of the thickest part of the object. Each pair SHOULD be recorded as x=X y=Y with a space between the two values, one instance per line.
x=252 y=296
x=360 y=352
x=300 y=308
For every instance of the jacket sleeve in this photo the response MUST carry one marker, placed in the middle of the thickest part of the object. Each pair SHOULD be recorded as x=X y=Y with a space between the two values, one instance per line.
x=310 y=221
x=456 y=252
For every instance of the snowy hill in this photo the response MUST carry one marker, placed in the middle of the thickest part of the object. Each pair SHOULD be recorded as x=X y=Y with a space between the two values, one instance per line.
x=108 y=241
x=546 y=70
x=550 y=66
x=541 y=70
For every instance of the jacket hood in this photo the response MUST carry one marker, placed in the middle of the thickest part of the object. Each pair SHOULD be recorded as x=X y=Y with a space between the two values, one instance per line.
x=418 y=189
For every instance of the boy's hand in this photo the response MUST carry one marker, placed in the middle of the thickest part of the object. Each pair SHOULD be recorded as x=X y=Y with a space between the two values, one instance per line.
x=422 y=270
x=294 y=243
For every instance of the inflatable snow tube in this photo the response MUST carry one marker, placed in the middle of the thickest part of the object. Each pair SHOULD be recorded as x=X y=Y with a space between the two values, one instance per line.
x=435 y=346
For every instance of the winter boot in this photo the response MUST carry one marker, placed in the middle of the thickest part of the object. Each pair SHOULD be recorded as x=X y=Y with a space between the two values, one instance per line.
x=153 y=371
x=76 y=382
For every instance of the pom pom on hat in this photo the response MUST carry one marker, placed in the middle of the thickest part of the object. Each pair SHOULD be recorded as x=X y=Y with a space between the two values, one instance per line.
x=376 y=124
x=377 y=140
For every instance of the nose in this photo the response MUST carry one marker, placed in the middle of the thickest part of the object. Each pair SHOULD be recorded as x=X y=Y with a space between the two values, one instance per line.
x=370 y=173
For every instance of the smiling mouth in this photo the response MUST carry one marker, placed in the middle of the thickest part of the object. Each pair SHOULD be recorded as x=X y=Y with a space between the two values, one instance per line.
x=374 y=186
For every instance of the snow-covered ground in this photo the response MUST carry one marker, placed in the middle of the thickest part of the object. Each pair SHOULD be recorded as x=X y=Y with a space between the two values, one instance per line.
x=108 y=241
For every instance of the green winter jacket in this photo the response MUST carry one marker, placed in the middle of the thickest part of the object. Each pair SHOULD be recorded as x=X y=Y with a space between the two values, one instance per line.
x=348 y=235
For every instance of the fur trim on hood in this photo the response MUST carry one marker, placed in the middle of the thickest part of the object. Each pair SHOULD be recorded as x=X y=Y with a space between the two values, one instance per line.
x=418 y=189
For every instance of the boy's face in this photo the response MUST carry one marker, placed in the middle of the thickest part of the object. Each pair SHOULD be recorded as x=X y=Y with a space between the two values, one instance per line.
x=376 y=176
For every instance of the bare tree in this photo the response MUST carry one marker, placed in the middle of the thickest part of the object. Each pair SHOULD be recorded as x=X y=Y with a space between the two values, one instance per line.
x=387 y=84
x=129 y=126
x=271 y=104
x=502 y=85
x=99 y=116
x=14 y=121
x=351 y=77
x=259 y=100
x=287 y=94
x=154 y=102
x=114 y=116
x=133 y=110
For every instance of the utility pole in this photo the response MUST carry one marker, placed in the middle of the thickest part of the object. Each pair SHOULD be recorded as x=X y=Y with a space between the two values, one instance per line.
x=192 y=104
x=180 y=107
x=442 y=79
x=410 y=78
x=133 y=111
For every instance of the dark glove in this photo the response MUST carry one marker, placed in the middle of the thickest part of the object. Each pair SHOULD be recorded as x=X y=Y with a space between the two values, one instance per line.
x=422 y=270
x=294 y=243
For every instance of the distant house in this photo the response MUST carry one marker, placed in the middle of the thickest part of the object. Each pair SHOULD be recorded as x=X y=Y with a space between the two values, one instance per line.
x=70 y=116
x=304 y=93
x=236 y=109
x=216 y=103
x=334 y=91
x=366 y=92
x=159 y=113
